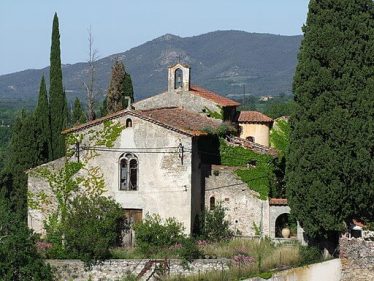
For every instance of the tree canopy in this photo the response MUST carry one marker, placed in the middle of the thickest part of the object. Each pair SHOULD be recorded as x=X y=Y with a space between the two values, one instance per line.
x=330 y=165
x=120 y=87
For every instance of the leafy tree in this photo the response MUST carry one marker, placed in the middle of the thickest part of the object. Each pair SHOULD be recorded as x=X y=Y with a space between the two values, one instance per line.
x=78 y=116
x=214 y=226
x=103 y=108
x=43 y=127
x=330 y=166
x=56 y=93
x=92 y=227
x=19 y=259
x=153 y=233
x=120 y=87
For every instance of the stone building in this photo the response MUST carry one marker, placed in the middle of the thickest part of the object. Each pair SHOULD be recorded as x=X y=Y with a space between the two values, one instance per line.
x=148 y=158
x=255 y=126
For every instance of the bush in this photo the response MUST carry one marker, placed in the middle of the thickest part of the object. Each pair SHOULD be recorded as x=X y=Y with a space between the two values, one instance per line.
x=310 y=254
x=91 y=228
x=153 y=233
x=189 y=250
x=214 y=226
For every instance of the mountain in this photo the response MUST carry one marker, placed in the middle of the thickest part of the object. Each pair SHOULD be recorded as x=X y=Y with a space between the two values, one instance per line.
x=224 y=61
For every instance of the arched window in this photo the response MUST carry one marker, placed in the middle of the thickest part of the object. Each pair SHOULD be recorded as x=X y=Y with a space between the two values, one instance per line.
x=128 y=123
x=178 y=78
x=212 y=203
x=128 y=172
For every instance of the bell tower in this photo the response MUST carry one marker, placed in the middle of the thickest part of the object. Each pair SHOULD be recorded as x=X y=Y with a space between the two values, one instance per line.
x=179 y=78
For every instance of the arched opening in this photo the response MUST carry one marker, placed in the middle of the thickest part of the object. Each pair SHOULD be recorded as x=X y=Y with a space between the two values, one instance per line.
x=128 y=174
x=212 y=203
x=128 y=123
x=178 y=78
x=285 y=226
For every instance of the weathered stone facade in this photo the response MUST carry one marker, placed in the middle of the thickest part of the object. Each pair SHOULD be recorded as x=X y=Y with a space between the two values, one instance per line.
x=357 y=258
x=244 y=210
x=113 y=270
x=166 y=182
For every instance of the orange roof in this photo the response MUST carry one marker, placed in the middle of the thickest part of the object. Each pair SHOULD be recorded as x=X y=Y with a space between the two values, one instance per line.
x=278 y=201
x=254 y=116
x=173 y=118
x=218 y=99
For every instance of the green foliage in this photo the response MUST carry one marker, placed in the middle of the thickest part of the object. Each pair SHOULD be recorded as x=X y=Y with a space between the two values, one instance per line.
x=119 y=88
x=108 y=135
x=78 y=116
x=258 y=178
x=43 y=126
x=189 y=250
x=309 y=255
x=214 y=226
x=152 y=233
x=222 y=130
x=256 y=229
x=19 y=259
x=280 y=136
x=276 y=109
x=265 y=275
x=330 y=168
x=91 y=228
x=214 y=114
x=57 y=99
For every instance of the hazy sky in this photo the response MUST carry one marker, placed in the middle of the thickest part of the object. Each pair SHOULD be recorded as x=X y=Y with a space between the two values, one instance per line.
x=118 y=25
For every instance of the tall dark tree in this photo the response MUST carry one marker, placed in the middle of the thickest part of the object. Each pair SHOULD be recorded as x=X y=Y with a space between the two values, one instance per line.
x=78 y=116
x=120 y=87
x=42 y=123
x=22 y=156
x=330 y=166
x=56 y=95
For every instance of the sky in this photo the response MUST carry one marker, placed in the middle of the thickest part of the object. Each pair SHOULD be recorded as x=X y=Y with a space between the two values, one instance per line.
x=119 y=25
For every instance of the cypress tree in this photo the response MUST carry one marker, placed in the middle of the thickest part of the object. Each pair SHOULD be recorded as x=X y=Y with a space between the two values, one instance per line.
x=43 y=126
x=119 y=88
x=23 y=155
x=78 y=116
x=56 y=93
x=330 y=165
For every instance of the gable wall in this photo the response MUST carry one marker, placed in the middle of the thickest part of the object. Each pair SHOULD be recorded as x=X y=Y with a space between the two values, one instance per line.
x=184 y=99
x=164 y=183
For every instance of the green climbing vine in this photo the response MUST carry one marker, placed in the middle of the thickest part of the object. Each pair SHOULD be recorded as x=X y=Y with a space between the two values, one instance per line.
x=71 y=179
x=214 y=114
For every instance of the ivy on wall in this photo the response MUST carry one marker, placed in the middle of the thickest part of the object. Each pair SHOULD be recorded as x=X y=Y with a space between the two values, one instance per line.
x=256 y=170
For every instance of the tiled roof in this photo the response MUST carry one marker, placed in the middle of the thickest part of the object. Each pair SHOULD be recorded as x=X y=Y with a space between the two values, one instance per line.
x=182 y=119
x=278 y=201
x=218 y=99
x=254 y=116
x=173 y=118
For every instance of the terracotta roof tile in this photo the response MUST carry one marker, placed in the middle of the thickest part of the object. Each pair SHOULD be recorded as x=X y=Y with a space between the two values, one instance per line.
x=218 y=99
x=254 y=116
x=278 y=201
x=173 y=118
x=182 y=119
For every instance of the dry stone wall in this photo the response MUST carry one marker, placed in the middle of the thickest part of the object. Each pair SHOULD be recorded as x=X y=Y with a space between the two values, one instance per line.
x=357 y=257
x=116 y=270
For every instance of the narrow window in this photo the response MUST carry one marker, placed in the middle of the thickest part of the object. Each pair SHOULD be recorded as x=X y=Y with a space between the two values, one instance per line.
x=212 y=203
x=128 y=123
x=133 y=174
x=128 y=172
x=178 y=78
x=123 y=174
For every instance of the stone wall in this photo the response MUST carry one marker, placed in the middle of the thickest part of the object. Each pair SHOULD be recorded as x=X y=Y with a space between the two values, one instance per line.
x=357 y=257
x=113 y=270
x=243 y=207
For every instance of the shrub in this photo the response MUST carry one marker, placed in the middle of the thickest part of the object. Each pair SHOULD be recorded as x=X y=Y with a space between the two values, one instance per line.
x=153 y=233
x=91 y=228
x=189 y=250
x=214 y=225
x=310 y=254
